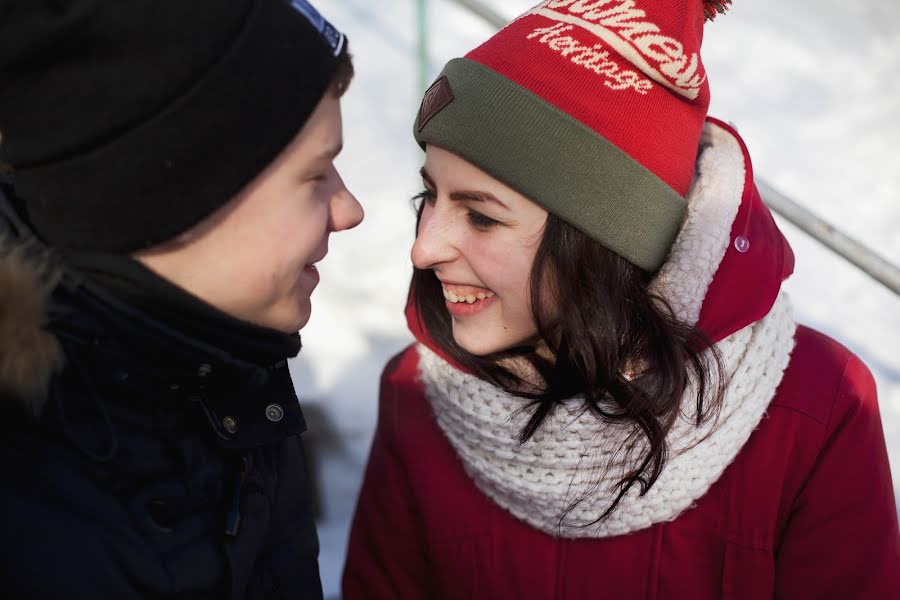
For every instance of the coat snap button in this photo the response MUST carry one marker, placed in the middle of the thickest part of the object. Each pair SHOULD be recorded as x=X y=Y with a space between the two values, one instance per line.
x=204 y=369
x=741 y=244
x=274 y=412
x=230 y=425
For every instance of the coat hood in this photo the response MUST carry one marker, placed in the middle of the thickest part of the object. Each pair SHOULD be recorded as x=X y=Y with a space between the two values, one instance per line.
x=723 y=274
x=726 y=267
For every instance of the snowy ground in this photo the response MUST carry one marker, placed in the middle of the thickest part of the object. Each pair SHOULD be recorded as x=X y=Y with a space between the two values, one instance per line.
x=812 y=87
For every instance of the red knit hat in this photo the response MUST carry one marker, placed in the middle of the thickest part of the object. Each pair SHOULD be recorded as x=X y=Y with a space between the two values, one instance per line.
x=592 y=108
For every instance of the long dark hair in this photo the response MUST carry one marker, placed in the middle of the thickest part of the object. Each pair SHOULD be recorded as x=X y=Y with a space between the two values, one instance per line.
x=606 y=320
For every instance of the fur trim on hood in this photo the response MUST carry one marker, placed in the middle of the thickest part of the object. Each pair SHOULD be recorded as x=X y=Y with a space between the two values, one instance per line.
x=29 y=353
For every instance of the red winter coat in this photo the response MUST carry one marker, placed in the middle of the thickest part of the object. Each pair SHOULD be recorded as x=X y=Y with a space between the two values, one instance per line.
x=805 y=510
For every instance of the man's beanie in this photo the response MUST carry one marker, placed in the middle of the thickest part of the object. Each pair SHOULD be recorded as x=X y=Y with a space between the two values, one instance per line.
x=124 y=123
x=592 y=108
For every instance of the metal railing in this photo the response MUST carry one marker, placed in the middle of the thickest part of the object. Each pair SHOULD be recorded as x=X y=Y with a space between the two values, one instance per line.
x=862 y=257
x=857 y=254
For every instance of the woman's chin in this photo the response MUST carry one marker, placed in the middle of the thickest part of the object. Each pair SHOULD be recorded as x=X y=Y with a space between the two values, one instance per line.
x=481 y=342
x=472 y=344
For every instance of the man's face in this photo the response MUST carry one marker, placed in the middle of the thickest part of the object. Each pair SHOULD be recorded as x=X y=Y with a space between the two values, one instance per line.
x=255 y=257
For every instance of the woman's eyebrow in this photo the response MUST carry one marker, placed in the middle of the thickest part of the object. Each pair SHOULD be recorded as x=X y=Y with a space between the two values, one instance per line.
x=464 y=195
x=477 y=197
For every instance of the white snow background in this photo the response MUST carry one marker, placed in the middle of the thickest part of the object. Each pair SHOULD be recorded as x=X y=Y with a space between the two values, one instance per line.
x=812 y=86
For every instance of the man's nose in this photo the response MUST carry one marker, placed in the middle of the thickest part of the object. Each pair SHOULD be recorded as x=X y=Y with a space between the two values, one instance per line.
x=346 y=211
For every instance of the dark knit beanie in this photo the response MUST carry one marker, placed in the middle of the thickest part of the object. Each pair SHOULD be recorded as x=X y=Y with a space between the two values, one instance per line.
x=591 y=108
x=126 y=122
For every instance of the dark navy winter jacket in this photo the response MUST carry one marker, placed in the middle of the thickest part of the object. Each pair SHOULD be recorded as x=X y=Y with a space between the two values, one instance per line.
x=154 y=465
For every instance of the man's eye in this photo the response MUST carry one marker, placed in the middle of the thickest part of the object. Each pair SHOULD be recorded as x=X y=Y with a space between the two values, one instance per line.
x=480 y=221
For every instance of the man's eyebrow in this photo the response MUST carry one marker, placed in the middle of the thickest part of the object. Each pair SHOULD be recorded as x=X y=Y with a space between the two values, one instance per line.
x=464 y=195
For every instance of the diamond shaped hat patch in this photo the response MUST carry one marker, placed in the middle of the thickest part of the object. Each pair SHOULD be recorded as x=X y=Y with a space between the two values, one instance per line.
x=436 y=99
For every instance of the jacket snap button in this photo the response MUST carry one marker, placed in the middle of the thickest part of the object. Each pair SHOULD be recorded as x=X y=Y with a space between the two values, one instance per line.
x=230 y=425
x=204 y=369
x=741 y=244
x=274 y=412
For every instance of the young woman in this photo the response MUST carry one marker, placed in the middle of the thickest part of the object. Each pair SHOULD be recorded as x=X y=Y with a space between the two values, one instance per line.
x=609 y=396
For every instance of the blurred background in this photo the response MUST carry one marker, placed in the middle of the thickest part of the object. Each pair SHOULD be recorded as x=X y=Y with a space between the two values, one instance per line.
x=812 y=87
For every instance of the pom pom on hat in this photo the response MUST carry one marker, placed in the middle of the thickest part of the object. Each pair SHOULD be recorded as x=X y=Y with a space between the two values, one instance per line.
x=714 y=8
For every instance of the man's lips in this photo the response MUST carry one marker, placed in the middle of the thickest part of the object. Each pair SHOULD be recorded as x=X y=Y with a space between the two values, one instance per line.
x=311 y=266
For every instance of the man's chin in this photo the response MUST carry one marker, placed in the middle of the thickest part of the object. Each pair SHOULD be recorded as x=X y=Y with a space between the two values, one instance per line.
x=303 y=317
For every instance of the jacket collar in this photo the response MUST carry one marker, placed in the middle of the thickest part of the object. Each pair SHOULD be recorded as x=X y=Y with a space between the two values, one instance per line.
x=129 y=354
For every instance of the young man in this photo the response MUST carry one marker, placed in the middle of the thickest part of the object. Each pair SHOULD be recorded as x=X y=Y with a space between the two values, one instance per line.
x=167 y=189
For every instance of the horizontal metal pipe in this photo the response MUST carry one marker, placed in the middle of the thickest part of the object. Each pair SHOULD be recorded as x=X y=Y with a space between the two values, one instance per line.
x=864 y=258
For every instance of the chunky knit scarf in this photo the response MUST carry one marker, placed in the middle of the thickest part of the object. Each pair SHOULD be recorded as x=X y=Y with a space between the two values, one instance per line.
x=574 y=458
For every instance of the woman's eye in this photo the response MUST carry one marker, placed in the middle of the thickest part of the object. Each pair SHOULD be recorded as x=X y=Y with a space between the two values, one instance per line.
x=428 y=196
x=480 y=221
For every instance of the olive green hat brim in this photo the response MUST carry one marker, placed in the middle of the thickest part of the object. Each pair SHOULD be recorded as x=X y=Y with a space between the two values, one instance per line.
x=552 y=158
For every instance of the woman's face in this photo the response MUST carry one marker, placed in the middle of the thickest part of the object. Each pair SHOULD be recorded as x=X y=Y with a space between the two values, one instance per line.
x=479 y=237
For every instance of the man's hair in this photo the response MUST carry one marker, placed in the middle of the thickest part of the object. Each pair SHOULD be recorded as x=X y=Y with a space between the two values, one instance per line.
x=342 y=76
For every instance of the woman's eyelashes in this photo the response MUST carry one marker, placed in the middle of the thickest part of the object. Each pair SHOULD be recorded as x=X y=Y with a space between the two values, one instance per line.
x=481 y=221
x=477 y=219
x=427 y=195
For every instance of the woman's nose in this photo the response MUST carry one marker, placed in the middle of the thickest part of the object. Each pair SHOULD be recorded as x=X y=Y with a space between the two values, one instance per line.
x=434 y=241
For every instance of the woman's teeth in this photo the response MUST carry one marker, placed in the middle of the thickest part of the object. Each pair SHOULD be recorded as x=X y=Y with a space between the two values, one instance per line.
x=454 y=297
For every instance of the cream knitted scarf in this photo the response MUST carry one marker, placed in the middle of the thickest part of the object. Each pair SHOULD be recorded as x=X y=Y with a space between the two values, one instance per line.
x=575 y=457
